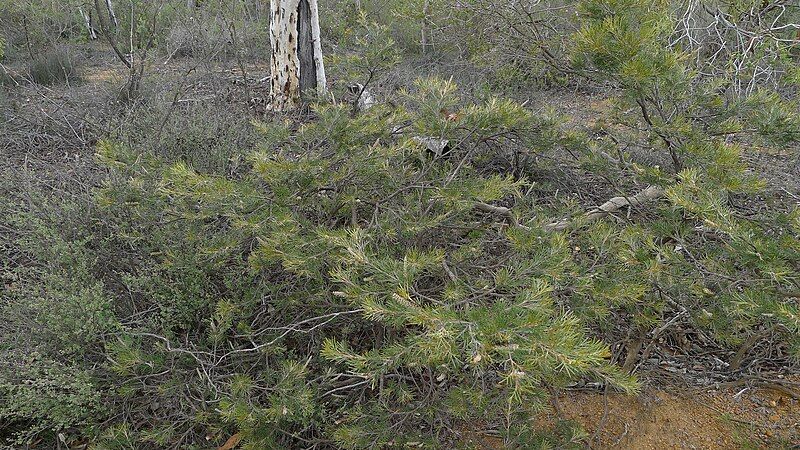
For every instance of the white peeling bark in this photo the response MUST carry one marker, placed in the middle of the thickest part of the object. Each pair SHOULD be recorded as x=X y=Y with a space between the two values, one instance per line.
x=111 y=14
x=87 y=20
x=285 y=39
x=316 y=36
x=285 y=77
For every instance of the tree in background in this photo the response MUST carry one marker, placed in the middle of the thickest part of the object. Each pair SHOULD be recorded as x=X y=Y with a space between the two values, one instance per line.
x=297 y=66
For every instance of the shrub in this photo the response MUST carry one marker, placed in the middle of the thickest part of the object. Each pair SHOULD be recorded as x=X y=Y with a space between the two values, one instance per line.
x=736 y=283
x=55 y=66
x=393 y=303
x=337 y=281
x=183 y=42
x=42 y=397
x=209 y=136
x=56 y=316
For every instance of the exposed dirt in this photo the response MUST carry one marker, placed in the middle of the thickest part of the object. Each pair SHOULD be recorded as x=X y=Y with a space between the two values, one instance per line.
x=732 y=417
x=687 y=420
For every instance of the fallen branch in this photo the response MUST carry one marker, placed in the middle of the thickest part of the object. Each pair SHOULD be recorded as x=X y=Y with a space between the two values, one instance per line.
x=610 y=207
x=500 y=211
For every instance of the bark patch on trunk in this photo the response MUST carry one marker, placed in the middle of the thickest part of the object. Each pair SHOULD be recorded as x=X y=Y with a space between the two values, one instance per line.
x=305 y=50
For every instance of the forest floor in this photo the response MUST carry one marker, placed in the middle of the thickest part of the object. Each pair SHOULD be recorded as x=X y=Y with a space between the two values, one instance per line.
x=685 y=404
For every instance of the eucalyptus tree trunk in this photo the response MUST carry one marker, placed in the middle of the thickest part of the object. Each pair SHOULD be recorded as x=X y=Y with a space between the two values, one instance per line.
x=297 y=66
x=87 y=20
x=110 y=8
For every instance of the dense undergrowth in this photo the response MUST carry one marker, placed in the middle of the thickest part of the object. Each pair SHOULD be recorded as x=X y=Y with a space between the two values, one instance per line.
x=327 y=280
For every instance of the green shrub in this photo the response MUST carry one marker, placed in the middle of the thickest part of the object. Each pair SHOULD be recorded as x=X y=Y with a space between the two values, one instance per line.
x=56 y=317
x=329 y=279
x=385 y=285
x=42 y=398
x=737 y=282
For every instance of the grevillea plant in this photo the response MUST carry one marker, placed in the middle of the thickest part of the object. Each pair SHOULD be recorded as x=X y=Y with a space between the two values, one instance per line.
x=357 y=288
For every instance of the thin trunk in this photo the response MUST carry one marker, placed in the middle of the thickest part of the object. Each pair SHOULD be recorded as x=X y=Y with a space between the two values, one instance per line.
x=316 y=37
x=240 y=62
x=87 y=20
x=111 y=40
x=27 y=37
x=425 y=31
x=110 y=8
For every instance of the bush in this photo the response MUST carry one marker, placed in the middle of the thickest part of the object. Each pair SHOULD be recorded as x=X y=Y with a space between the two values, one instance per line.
x=216 y=37
x=56 y=317
x=736 y=285
x=6 y=78
x=209 y=136
x=368 y=253
x=55 y=66
x=42 y=397
x=182 y=42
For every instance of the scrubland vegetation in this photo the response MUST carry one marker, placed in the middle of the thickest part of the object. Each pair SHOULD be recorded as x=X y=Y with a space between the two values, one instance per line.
x=539 y=197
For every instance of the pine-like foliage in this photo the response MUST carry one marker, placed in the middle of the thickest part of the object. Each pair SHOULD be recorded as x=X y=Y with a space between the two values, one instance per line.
x=420 y=272
x=357 y=289
x=731 y=270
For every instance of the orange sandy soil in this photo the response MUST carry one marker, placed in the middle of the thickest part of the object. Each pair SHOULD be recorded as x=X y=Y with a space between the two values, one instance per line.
x=687 y=420
x=682 y=419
